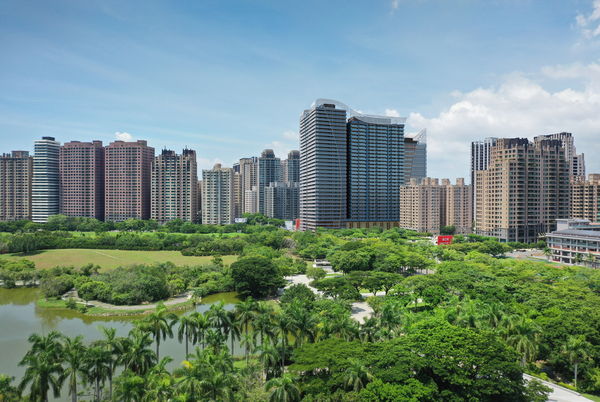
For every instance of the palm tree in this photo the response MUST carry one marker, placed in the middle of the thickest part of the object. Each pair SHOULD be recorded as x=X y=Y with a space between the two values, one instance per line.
x=356 y=376
x=160 y=383
x=43 y=366
x=235 y=329
x=303 y=323
x=97 y=366
x=43 y=373
x=576 y=350
x=284 y=325
x=115 y=347
x=201 y=325
x=245 y=312
x=130 y=387
x=524 y=337
x=137 y=355
x=283 y=389
x=160 y=325
x=269 y=356
x=219 y=318
x=247 y=341
x=187 y=325
x=73 y=356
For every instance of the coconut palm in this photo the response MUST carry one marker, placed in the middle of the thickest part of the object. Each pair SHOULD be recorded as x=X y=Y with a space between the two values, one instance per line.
x=114 y=345
x=356 y=376
x=269 y=356
x=130 y=387
x=97 y=366
x=283 y=389
x=43 y=368
x=160 y=325
x=576 y=350
x=160 y=383
x=245 y=312
x=247 y=342
x=524 y=337
x=219 y=318
x=303 y=323
x=186 y=330
x=73 y=356
x=235 y=329
x=137 y=354
x=284 y=326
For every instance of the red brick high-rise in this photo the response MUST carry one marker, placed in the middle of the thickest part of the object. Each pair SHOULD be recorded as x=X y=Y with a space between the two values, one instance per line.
x=128 y=178
x=82 y=179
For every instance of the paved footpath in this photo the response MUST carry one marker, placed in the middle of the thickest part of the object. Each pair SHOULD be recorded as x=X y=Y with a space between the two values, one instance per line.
x=559 y=394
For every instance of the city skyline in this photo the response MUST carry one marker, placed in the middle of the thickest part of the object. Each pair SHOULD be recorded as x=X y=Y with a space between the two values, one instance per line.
x=497 y=79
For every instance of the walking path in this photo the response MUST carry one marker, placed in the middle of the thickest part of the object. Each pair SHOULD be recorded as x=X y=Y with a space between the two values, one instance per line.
x=151 y=306
x=360 y=310
x=559 y=394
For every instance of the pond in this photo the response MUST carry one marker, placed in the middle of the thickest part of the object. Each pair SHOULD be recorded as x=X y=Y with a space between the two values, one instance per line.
x=20 y=317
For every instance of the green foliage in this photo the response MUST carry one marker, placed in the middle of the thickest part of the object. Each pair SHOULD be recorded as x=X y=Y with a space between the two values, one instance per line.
x=256 y=276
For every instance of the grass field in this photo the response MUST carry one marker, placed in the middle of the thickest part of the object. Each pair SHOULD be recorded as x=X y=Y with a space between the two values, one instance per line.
x=109 y=259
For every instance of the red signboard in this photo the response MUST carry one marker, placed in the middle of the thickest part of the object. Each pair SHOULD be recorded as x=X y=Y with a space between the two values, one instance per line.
x=444 y=240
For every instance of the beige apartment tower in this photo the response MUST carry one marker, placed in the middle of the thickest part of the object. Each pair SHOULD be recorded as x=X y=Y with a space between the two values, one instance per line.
x=175 y=186
x=16 y=171
x=427 y=206
x=82 y=179
x=128 y=177
x=585 y=198
x=217 y=195
x=524 y=190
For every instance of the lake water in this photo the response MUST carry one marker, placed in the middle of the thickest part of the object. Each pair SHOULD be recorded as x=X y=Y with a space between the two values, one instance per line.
x=20 y=317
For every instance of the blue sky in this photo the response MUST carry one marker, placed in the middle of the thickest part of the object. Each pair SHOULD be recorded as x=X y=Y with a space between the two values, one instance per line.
x=230 y=78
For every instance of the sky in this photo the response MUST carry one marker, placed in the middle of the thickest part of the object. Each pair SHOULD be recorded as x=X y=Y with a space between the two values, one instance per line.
x=231 y=78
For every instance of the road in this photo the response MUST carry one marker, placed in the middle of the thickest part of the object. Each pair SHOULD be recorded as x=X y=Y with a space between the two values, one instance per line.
x=559 y=394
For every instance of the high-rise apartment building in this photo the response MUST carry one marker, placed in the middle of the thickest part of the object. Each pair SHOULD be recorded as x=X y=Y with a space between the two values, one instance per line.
x=282 y=200
x=248 y=181
x=375 y=161
x=427 y=205
x=415 y=156
x=217 y=195
x=458 y=200
x=45 y=195
x=575 y=162
x=323 y=166
x=291 y=167
x=421 y=205
x=585 y=198
x=481 y=152
x=268 y=171
x=82 y=179
x=16 y=171
x=175 y=186
x=128 y=178
x=523 y=191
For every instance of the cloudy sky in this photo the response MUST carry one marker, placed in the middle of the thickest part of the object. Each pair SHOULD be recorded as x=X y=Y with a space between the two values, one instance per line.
x=229 y=78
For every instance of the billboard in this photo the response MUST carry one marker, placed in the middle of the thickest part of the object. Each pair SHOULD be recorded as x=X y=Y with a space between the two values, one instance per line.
x=444 y=240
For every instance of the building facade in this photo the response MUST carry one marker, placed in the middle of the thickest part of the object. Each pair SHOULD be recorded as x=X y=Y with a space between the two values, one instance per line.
x=248 y=181
x=268 y=171
x=82 y=179
x=323 y=166
x=291 y=167
x=217 y=195
x=575 y=241
x=428 y=205
x=175 y=186
x=45 y=194
x=375 y=163
x=481 y=153
x=282 y=200
x=575 y=162
x=523 y=191
x=415 y=156
x=16 y=172
x=585 y=198
x=128 y=178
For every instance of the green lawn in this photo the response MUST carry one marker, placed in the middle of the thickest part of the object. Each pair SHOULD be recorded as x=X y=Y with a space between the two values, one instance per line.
x=108 y=259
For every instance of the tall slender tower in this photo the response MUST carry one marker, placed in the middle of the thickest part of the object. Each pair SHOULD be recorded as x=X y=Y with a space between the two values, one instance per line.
x=323 y=166
x=82 y=179
x=45 y=198
x=269 y=171
x=248 y=180
x=291 y=167
x=217 y=195
x=175 y=186
x=128 y=177
x=16 y=170
x=415 y=156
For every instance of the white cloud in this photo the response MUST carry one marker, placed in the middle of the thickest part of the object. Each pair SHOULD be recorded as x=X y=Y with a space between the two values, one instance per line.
x=123 y=136
x=519 y=107
x=291 y=135
x=589 y=24
x=395 y=4
x=207 y=163
x=392 y=113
